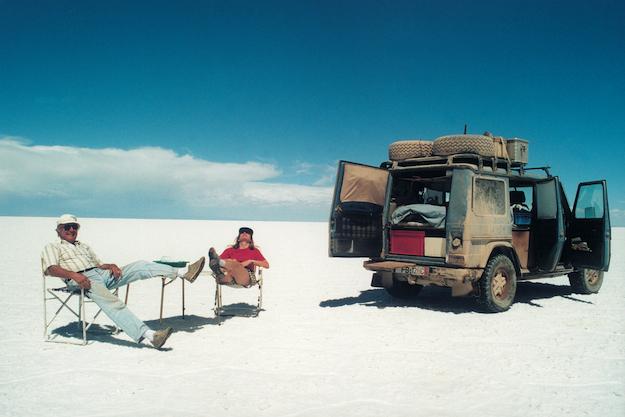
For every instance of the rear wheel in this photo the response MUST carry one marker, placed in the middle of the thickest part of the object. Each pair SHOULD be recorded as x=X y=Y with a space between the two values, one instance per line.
x=586 y=281
x=497 y=286
x=404 y=290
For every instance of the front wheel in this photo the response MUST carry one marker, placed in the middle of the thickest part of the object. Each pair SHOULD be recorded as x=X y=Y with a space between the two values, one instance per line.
x=404 y=290
x=497 y=286
x=586 y=281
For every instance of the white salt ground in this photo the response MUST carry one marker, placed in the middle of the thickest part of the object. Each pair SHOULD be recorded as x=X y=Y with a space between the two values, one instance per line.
x=327 y=343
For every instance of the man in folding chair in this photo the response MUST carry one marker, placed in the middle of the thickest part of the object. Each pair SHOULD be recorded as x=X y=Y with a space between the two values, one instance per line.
x=236 y=265
x=80 y=267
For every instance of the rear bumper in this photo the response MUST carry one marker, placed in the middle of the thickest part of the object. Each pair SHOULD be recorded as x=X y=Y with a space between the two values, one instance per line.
x=460 y=280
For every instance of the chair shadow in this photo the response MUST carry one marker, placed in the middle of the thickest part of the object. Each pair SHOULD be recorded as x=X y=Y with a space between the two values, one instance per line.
x=106 y=333
x=239 y=310
x=439 y=298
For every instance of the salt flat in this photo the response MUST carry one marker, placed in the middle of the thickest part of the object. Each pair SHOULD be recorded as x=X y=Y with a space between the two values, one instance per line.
x=327 y=343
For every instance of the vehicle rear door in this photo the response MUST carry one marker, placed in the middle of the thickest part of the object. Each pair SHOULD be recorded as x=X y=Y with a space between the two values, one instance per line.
x=589 y=231
x=356 y=216
x=548 y=234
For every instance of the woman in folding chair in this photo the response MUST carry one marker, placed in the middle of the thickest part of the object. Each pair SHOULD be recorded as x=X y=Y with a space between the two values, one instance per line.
x=236 y=265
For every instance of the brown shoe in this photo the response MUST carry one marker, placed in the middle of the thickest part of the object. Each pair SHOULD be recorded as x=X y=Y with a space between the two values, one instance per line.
x=161 y=336
x=194 y=269
x=212 y=254
x=213 y=263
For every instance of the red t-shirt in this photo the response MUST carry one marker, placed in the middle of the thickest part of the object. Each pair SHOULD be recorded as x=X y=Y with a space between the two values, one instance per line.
x=243 y=255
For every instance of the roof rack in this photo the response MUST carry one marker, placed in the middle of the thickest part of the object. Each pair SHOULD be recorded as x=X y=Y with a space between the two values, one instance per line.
x=478 y=161
x=523 y=169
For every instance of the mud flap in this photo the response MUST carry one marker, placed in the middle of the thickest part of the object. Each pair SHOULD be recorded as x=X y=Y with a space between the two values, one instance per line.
x=382 y=280
x=461 y=288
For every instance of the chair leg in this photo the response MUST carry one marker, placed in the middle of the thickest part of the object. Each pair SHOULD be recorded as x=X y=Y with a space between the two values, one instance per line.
x=182 y=279
x=64 y=304
x=82 y=316
x=217 y=307
x=260 y=291
x=45 y=311
x=162 y=297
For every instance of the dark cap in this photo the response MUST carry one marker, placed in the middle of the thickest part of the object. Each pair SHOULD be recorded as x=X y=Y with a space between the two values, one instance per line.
x=246 y=230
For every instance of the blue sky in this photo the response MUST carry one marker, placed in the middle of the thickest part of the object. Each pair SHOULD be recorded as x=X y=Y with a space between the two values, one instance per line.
x=241 y=109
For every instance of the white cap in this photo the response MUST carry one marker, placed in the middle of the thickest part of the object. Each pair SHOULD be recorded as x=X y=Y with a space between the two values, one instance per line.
x=66 y=218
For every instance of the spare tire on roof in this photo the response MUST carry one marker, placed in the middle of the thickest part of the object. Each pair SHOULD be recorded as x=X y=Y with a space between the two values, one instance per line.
x=453 y=144
x=406 y=149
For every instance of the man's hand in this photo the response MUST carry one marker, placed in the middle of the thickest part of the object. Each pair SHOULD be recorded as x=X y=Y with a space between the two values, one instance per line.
x=115 y=270
x=82 y=281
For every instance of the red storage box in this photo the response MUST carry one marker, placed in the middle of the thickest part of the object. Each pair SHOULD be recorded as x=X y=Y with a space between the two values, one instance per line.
x=407 y=242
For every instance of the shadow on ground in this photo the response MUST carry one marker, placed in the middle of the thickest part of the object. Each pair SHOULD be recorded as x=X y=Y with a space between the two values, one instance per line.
x=239 y=310
x=440 y=299
x=106 y=333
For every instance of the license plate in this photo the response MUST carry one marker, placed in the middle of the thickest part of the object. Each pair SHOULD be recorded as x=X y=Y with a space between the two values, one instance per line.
x=414 y=270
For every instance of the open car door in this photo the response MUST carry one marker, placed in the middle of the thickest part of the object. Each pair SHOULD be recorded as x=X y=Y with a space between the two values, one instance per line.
x=356 y=217
x=548 y=234
x=589 y=231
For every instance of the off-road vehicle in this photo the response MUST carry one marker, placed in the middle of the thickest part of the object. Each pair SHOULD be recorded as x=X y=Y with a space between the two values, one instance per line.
x=465 y=212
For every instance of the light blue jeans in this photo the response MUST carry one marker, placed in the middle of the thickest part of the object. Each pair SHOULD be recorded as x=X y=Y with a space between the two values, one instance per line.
x=102 y=281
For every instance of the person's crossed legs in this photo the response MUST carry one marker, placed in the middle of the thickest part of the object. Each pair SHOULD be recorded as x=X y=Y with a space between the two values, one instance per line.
x=228 y=271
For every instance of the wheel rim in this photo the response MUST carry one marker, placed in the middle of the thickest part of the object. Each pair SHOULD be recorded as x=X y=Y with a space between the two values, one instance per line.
x=500 y=285
x=592 y=277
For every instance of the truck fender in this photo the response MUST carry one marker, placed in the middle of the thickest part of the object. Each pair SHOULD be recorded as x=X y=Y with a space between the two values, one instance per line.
x=505 y=248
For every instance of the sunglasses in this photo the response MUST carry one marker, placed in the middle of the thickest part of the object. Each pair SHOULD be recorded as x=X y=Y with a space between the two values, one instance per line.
x=67 y=227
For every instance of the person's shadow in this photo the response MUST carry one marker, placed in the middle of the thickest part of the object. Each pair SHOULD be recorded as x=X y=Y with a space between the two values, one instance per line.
x=107 y=334
x=439 y=298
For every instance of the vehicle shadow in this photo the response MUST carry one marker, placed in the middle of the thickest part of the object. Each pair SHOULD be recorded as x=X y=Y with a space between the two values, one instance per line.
x=106 y=333
x=430 y=298
x=440 y=299
x=528 y=292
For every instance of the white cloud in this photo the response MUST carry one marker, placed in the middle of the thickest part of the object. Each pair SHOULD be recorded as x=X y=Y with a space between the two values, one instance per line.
x=303 y=167
x=617 y=216
x=104 y=175
x=321 y=174
x=291 y=194
x=328 y=176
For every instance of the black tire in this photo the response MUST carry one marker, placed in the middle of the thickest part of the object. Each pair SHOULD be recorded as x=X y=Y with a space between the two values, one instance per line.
x=406 y=149
x=586 y=281
x=454 y=144
x=497 y=286
x=404 y=290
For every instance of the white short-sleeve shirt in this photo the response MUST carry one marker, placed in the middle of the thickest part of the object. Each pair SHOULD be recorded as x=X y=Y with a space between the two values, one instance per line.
x=72 y=257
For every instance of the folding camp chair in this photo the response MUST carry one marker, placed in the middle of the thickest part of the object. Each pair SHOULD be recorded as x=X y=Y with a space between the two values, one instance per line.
x=219 y=308
x=63 y=295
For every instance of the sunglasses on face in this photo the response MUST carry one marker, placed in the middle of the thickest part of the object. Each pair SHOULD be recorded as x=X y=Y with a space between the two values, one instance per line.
x=67 y=227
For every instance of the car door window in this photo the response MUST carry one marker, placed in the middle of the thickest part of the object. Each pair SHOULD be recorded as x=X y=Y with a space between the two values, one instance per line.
x=589 y=202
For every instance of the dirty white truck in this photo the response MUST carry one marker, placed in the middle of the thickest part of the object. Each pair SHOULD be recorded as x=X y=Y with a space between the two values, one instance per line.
x=465 y=212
